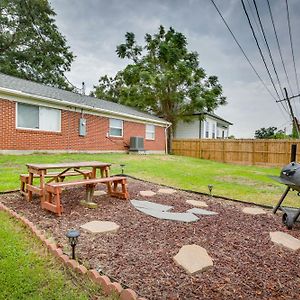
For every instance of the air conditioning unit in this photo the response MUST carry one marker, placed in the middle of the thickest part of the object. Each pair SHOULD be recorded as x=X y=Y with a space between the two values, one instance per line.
x=136 y=143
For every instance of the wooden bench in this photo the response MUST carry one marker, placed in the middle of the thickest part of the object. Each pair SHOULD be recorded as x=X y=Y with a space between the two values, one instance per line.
x=57 y=177
x=51 y=200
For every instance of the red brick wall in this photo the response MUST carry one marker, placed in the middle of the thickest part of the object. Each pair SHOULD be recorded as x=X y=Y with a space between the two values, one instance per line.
x=69 y=139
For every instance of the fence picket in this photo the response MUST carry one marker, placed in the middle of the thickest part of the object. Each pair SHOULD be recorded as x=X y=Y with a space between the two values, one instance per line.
x=242 y=151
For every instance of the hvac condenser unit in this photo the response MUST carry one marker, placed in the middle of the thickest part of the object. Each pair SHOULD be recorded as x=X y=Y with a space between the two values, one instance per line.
x=136 y=143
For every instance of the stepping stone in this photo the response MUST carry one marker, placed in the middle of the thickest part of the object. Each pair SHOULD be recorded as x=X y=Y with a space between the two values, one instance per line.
x=193 y=258
x=166 y=191
x=285 y=240
x=147 y=193
x=253 y=211
x=199 y=211
x=99 y=193
x=165 y=215
x=88 y=204
x=150 y=205
x=197 y=203
x=100 y=226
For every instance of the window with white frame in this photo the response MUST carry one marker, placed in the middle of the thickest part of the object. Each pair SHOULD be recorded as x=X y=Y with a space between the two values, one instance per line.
x=150 y=132
x=213 y=130
x=115 y=127
x=206 y=129
x=38 y=117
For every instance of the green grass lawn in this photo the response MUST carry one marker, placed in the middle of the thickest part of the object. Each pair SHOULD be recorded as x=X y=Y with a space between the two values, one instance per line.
x=27 y=272
x=246 y=183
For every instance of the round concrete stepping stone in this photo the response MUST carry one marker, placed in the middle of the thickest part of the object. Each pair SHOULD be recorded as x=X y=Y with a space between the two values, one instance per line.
x=253 y=211
x=147 y=193
x=193 y=258
x=285 y=240
x=197 y=203
x=100 y=226
x=99 y=193
x=166 y=191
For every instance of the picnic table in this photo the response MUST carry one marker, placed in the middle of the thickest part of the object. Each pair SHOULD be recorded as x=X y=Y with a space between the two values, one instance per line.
x=40 y=171
x=50 y=190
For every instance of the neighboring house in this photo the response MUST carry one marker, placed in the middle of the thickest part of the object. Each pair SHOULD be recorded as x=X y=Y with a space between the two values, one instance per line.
x=203 y=126
x=36 y=117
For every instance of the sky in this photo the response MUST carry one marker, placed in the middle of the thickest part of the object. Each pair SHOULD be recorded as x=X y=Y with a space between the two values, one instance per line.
x=93 y=29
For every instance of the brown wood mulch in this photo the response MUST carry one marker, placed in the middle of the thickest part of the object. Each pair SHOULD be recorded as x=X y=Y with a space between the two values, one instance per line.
x=247 y=265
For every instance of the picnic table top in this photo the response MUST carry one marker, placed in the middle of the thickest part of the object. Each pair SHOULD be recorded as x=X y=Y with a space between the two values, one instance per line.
x=68 y=165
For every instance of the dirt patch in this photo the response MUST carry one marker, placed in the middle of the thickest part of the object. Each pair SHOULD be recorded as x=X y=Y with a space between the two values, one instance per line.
x=247 y=265
x=249 y=182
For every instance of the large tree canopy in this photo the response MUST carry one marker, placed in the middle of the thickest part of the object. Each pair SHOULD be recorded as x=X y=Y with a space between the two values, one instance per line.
x=31 y=46
x=164 y=78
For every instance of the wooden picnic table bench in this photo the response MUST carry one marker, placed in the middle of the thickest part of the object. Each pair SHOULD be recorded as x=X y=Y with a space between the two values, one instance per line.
x=56 y=176
x=53 y=190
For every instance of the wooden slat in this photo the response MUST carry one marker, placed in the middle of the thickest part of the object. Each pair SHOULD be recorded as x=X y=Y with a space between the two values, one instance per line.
x=242 y=151
x=85 y=182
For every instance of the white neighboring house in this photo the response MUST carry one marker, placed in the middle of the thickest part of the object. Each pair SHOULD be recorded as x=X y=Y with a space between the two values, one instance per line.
x=211 y=127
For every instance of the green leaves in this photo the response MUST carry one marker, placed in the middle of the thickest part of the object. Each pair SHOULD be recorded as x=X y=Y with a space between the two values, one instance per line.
x=31 y=46
x=164 y=78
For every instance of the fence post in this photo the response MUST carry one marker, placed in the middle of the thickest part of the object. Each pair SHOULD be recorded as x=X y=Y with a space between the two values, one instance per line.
x=293 y=152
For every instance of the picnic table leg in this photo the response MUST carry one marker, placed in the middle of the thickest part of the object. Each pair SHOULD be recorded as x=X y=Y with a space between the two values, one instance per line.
x=94 y=172
x=42 y=185
x=30 y=181
x=124 y=189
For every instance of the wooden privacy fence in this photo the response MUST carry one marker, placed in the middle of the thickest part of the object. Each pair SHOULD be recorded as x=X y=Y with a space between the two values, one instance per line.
x=248 y=152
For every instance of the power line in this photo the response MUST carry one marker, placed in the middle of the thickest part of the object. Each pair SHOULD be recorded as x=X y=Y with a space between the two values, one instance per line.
x=291 y=42
x=239 y=45
x=261 y=53
x=267 y=44
x=259 y=48
x=279 y=48
x=245 y=55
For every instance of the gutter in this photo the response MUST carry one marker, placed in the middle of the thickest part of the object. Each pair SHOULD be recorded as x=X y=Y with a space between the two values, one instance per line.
x=82 y=106
x=166 y=137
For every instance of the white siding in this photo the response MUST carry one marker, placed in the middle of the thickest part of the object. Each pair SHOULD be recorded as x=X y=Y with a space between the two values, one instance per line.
x=187 y=130
x=212 y=125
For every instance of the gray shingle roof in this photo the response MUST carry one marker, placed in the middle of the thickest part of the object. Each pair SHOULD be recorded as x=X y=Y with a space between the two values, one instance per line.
x=213 y=115
x=38 y=89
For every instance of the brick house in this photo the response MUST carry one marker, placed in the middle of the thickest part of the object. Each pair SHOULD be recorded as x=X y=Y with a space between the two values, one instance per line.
x=39 y=118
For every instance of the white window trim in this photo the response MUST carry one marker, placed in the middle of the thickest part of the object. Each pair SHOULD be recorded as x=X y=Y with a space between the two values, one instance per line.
x=150 y=139
x=37 y=129
x=122 y=128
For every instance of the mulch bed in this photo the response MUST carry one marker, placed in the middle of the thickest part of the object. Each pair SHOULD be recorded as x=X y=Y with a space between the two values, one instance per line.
x=247 y=265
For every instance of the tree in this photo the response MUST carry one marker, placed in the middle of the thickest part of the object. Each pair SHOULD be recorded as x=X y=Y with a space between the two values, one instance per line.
x=270 y=133
x=31 y=46
x=164 y=79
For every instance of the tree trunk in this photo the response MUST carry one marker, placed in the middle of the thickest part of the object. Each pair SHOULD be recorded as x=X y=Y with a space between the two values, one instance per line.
x=169 y=140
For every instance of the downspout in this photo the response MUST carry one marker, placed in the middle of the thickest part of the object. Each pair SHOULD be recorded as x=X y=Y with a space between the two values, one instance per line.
x=166 y=138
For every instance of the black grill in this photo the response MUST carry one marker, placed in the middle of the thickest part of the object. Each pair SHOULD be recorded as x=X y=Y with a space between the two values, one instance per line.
x=289 y=176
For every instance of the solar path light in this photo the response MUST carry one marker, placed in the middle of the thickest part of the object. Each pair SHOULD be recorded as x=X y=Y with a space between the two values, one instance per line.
x=73 y=235
x=122 y=168
x=210 y=187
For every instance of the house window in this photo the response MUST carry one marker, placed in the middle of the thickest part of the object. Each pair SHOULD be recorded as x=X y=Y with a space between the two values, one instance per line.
x=213 y=130
x=38 y=117
x=206 y=129
x=115 y=127
x=150 y=132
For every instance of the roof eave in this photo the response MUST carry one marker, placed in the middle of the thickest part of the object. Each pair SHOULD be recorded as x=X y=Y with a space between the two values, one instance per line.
x=82 y=106
x=214 y=116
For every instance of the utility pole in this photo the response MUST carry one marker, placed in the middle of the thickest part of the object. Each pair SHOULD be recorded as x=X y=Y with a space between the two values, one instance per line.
x=296 y=126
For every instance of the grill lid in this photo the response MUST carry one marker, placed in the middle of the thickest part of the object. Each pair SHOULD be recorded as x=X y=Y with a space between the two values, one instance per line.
x=290 y=175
